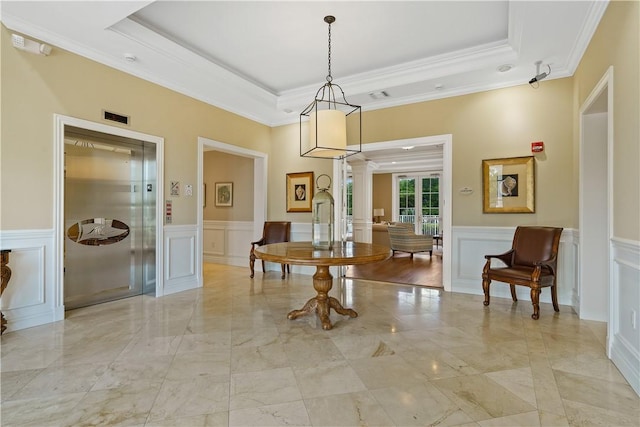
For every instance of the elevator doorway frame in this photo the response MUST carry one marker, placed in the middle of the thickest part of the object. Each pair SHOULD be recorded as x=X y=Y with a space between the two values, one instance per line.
x=60 y=122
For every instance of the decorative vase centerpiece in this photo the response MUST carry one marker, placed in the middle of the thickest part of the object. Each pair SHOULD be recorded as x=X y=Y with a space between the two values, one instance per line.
x=322 y=216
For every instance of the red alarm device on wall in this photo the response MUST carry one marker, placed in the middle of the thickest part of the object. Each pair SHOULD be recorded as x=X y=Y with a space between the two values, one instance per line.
x=537 y=147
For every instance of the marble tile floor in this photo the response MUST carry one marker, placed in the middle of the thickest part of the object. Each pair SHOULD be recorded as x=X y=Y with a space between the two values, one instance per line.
x=227 y=355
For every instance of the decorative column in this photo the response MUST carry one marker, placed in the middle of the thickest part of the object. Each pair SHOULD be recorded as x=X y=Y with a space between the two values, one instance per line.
x=6 y=275
x=362 y=172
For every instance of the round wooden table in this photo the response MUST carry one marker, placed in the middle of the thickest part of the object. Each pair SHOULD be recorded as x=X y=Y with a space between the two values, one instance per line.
x=302 y=253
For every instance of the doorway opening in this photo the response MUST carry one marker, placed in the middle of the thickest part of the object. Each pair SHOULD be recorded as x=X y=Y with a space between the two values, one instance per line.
x=440 y=162
x=229 y=252
x=595 y=205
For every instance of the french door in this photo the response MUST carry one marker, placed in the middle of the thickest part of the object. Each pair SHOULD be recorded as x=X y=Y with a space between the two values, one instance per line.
x=418 y=202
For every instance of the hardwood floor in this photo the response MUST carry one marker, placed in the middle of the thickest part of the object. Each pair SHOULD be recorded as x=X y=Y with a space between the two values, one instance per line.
x=420 y=270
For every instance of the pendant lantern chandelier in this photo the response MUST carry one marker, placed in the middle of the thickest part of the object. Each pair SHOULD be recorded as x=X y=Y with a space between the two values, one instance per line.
x=327 y=117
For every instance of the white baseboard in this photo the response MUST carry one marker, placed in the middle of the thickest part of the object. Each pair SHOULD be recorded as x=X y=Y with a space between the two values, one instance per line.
x=627 y=360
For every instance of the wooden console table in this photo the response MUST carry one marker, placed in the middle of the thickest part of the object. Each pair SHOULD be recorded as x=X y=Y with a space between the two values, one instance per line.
x=5 y=274
x=302 y=253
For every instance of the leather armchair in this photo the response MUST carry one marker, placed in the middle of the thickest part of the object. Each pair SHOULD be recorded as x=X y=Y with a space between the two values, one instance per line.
x=532 y=261
x=272 y=232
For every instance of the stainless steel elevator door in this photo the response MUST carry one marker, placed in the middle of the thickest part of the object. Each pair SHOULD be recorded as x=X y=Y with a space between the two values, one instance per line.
x=104 y=224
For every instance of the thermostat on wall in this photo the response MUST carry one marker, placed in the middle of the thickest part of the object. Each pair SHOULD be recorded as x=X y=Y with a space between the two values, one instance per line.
x=465 y=191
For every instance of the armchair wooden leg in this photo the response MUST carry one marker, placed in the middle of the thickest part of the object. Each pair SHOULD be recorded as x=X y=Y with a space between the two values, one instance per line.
x=252 y=261
x=513 y=292
x=535 y=300
x=554 y=297
x=485 y=287
x=282 y=266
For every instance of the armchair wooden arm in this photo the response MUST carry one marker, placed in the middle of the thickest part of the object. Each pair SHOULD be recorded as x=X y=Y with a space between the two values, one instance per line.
x=506 y=257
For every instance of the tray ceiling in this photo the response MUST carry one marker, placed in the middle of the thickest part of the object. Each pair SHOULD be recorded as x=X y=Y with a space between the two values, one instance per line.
x=265 y=60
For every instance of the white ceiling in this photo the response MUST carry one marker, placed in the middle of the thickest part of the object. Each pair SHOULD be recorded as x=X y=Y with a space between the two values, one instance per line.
x=265 y=60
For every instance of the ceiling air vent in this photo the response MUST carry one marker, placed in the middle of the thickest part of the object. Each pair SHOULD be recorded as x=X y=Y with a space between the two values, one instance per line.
x=114 y=117
x=379 y=94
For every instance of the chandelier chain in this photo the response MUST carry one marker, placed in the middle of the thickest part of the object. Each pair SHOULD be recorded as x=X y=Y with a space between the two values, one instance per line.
x=329 y=78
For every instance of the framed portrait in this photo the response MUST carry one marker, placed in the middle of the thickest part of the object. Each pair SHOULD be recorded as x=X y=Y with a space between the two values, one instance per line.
x=224 y=193
x=299 y=191
x=508 y=185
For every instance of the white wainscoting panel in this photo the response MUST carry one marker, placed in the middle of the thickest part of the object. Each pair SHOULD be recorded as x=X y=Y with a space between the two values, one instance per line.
x=235 y=238
x=181 y=258
x=624 y=329
x=471 y=244
x=300 y=232
x=31 y=297
x=362 y=231
x=228 y=242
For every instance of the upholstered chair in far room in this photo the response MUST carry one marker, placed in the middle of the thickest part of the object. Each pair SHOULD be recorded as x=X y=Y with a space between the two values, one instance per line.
x=403 y=239
x=272 y=232
x=532 y=261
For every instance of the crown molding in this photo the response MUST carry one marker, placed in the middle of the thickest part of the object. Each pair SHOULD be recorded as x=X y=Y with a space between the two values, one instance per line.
x=594 y=15
x=463 y=60
x=164 y=62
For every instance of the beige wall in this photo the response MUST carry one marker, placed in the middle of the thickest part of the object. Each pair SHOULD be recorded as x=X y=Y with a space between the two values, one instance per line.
x=285 y=158
x=617 y=43
x=223 y=167
x=35 y=87
x=494 y=124
x=382 y=193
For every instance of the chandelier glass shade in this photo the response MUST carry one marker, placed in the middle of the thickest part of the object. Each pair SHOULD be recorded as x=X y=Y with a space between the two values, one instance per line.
x=330 y=127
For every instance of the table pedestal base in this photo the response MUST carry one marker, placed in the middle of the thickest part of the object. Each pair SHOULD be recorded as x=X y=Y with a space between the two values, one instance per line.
x=322 y=302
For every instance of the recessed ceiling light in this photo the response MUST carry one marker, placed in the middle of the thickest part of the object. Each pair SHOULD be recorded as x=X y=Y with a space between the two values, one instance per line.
x=504 y=68
x=130 y=57
x=439 y=86
x=409 y=147
x=288 y=110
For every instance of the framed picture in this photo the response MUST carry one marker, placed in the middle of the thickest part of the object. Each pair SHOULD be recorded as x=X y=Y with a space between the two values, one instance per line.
x=224 y=193
x=508 y=185
x=299 y=191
